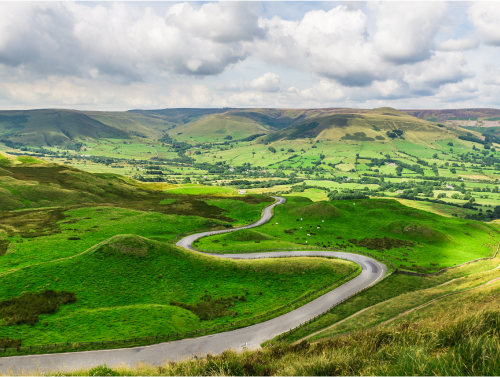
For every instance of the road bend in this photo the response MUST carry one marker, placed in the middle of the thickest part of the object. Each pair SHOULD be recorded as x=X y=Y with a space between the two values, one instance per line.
x=251 y=336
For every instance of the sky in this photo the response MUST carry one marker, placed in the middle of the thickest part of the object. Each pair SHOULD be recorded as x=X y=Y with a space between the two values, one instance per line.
x=154 y=55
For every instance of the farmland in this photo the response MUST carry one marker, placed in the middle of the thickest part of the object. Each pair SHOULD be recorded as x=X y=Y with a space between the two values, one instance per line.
x=94 y=216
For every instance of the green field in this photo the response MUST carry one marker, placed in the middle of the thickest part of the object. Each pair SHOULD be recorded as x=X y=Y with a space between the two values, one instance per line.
x=125 y=285
x=412 y=239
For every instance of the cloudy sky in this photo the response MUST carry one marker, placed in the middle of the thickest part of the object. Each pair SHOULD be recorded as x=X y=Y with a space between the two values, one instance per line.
x=128 y=55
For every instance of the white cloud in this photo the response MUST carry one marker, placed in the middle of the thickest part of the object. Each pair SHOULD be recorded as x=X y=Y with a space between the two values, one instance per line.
x=442 y=68
x=331 y=44
x=269 y=82
x=325 y=90
x=119 y=40
x=126 y=42
x=126 y=55
x=492 y=75
x=225 y=22
x=406 y=30
x=486 y=18
x=388 y=89
x=460 y=44
x=453 y=92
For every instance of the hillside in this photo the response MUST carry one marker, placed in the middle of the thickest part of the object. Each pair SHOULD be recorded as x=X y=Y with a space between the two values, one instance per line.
x=202 y=125
x=70 y=128
x=370 y=126
x=454 y=114
x=52 y=127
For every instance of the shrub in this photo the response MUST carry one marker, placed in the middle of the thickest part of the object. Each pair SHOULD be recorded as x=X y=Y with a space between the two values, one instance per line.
x=9 y=343
x=28 y=306
x=347 y=195
x=209 y=308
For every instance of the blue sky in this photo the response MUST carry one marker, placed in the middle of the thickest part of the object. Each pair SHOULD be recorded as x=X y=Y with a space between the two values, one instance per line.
x=129 y=55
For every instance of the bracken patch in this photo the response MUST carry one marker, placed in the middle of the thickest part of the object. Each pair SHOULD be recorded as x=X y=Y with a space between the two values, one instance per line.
x=380 y=244
x=29 y=305
x=4 y=245
x=209 y=308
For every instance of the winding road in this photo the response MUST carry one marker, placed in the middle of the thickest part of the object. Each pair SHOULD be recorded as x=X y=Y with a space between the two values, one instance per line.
x=251 y=336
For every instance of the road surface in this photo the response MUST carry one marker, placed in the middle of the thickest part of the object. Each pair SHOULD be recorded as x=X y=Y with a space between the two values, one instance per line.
x=252 y=336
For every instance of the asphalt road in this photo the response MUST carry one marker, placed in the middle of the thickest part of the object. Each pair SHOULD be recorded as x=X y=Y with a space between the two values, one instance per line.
x=251 y=336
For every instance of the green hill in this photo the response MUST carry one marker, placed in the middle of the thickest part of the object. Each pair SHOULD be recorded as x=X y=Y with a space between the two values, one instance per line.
x=370 y=126
x=68 y=128
x=52 y=127
x=88 y=257
x=218 y=127
x=412 y=239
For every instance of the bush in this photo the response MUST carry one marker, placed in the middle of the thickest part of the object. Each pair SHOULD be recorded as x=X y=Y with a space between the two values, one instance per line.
x=347 y=195
x=28 y=306
x=9 y=343
x=209 y=308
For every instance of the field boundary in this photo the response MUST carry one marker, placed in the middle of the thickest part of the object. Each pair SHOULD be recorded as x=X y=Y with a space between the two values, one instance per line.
x=283 y=335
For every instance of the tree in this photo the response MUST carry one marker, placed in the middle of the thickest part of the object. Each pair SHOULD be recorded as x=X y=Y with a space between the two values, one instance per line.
x=273 y=150
x=450 y=144
x=398 y=132
x=392 y=135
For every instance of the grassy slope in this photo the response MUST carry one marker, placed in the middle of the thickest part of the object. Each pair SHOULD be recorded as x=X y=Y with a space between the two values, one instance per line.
x=53 y=127
x=120 y=294
x=124 y=288
x=339 y=127
x=64 y=127
x=455 y=335
x=438 y=240
x=216 y=127
x=134 y=123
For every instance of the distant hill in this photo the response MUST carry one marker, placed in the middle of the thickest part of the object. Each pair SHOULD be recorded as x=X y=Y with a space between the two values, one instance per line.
x=371 y=125
x=52 y=127
x=69 y=128
x=217 y=124
x=454 y=114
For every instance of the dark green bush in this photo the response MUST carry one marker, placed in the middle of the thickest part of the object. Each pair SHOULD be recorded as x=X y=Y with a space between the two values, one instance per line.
x=9 y=343
x=29 y=305
x=209 y=308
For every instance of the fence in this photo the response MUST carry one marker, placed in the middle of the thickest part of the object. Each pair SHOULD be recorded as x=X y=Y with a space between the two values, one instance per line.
x=177 y=335
x=395 y=271
x=283 y=335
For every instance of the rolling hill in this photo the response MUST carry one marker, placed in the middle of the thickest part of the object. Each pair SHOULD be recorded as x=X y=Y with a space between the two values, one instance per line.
x=368 y=126
x=69 y=128
x=52 y=127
